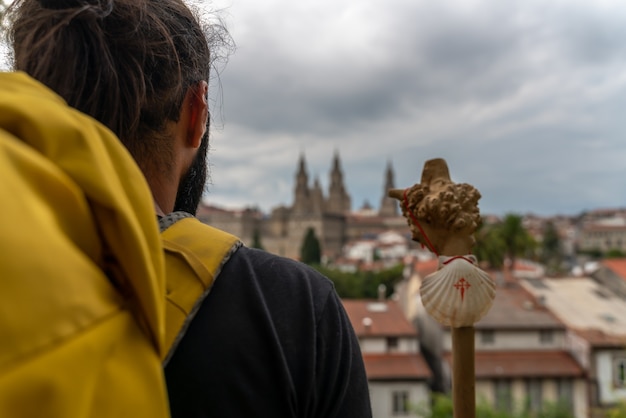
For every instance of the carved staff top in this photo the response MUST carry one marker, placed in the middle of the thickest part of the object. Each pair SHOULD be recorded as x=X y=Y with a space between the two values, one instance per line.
x=443 y=216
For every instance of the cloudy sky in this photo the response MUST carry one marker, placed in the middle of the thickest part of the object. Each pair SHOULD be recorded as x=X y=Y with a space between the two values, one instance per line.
x=524 y=99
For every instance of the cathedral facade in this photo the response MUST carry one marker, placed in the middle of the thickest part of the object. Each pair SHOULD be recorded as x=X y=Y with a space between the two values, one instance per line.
x=328 y=213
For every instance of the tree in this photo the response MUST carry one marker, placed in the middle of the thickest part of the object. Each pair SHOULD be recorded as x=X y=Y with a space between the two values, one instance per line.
x=310 y=252
x=506 y=239
x=551 y=247
x=256 y=239
x=517 y=241
x=442 y=407
x=489 y=247
x=614 y=253
x=363 y=284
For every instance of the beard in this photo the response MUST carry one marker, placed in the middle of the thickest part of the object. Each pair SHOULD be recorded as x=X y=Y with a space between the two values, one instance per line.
x=192 y=184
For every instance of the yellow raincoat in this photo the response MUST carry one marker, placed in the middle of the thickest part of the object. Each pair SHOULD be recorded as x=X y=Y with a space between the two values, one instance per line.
x=82 y=298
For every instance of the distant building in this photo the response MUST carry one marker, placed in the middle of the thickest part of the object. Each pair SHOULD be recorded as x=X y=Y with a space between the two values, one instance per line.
x=612 y=274
x=522 y=353
x=396 y=371
x=602 y=238
x=329 y=214
x=596 y=317
x=603 y=230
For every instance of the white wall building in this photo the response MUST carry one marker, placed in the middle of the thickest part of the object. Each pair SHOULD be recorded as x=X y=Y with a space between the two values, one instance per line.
x=523 y=355
x=596 y=318
x=396 y=371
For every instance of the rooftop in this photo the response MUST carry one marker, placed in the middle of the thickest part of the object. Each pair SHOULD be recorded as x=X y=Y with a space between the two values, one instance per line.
x=616 y=265
x=515 y=308
x=396 y=367
x=373 y=318
x=581 y=303
x=599 y=339
x=524 y=364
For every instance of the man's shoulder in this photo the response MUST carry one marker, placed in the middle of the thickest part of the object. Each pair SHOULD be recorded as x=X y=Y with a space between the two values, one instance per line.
x=265 y=260
x=275 y=279
x=268 y=266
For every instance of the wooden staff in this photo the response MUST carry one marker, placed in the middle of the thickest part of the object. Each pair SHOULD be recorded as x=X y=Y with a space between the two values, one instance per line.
x=443 y=216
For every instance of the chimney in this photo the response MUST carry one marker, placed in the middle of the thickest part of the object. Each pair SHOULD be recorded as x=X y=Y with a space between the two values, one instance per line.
x=382 y=292
x=367 y=323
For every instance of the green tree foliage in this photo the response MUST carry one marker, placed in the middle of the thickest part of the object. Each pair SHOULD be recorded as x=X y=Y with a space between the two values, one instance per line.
x=507 y=239
x=442 y=407
x=594 y=253
x=618 y=411
x=517 y=241
x=551 y=254
x=362 y=284
x=256 y=239
x=310 y=252
x=614 y=253
x=551 y=244
x=489 y=247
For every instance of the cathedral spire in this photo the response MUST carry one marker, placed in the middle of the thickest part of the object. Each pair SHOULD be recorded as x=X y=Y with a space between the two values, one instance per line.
x=301 y=193
x=388 y=205
x=338 y=198
x=317 y=197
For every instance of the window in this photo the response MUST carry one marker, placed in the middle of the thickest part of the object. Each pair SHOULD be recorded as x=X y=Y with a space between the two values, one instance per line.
x=400 y=403
x=566 y=393
x=392 y=344
x=487 y=337
x=534 y=394
x=504 y=401
x=619 y=372
x=546 y=336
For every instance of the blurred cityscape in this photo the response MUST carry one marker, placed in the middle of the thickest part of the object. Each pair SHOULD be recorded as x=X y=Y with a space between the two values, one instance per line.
x=556 y=334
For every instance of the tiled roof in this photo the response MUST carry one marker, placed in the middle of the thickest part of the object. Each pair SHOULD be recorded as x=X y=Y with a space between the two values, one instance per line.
x=516 y=308
x=396 y=367
x=524 y=364
x=598 y=339
x=582 y=303
x=424 y=268
x=387 y=319
x=604 y=228
x=617 y=265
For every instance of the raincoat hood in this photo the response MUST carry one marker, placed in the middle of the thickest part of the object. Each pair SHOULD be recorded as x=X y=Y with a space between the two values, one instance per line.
x=82 y=292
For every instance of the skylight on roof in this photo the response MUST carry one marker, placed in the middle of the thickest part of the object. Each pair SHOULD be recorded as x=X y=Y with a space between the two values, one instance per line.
x=377 y=307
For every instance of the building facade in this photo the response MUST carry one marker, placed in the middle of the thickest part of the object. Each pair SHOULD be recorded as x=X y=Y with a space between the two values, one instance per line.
x=329 y=213
x=396 y=371
x=596 y=320
x=524 y=356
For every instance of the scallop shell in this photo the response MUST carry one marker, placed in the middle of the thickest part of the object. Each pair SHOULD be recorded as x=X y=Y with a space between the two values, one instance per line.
x=459 y=294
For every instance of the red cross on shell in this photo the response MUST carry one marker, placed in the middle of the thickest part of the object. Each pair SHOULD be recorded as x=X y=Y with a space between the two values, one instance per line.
x=462 y=285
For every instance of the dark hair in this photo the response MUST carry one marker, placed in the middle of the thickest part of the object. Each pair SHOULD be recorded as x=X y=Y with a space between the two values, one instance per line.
x=127 y=63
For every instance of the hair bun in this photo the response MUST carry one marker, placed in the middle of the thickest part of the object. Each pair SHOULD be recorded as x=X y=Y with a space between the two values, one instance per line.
x=97 y=8
x=59 y=4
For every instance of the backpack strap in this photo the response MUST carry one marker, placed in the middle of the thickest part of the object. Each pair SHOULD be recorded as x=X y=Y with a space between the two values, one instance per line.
x=194 y=256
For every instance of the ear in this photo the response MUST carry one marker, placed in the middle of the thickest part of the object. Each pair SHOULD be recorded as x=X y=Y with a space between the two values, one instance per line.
x=198 y=113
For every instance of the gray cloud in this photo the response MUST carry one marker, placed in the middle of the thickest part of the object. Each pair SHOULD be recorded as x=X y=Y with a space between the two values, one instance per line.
x=523 y=98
